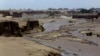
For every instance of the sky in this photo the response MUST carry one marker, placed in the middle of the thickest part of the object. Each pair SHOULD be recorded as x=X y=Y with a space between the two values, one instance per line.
x=44 y=4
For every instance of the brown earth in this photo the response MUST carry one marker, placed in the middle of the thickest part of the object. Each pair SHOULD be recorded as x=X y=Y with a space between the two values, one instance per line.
x=22 y=47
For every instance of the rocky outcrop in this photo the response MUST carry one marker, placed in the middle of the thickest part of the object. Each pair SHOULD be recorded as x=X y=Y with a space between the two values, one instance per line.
x=32 y=24
x=8 y=28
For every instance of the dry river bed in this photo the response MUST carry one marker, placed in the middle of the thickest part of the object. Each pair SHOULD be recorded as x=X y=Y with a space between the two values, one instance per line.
x=66 y=37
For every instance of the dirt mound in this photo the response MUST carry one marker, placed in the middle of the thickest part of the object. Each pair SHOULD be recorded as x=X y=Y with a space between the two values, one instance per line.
x=9 y=28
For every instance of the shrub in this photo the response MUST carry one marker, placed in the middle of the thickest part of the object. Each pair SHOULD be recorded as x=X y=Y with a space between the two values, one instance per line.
x=89 y=34
x=42 y=28
x=19 y=34
x=98 y=35
x=70 y=21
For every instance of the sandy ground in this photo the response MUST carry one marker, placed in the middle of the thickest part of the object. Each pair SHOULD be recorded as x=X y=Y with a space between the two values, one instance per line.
x=21 y=47
x=70 y=39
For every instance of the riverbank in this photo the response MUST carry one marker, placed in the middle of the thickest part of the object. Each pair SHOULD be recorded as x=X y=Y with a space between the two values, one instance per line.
x=13 y=46
x=64 y=34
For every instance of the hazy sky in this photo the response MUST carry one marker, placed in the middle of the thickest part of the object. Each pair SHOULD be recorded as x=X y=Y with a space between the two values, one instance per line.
x=44 y=4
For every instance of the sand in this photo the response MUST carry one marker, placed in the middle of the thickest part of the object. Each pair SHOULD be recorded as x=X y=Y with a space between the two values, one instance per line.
x=21 y=47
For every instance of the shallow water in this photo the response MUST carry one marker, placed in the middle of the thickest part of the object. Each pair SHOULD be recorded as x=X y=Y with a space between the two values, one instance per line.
x=70 y=48
x=50 y=26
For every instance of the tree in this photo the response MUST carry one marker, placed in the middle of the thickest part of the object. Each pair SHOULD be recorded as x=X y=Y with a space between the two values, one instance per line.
x=91 y=10
x=84 y=11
